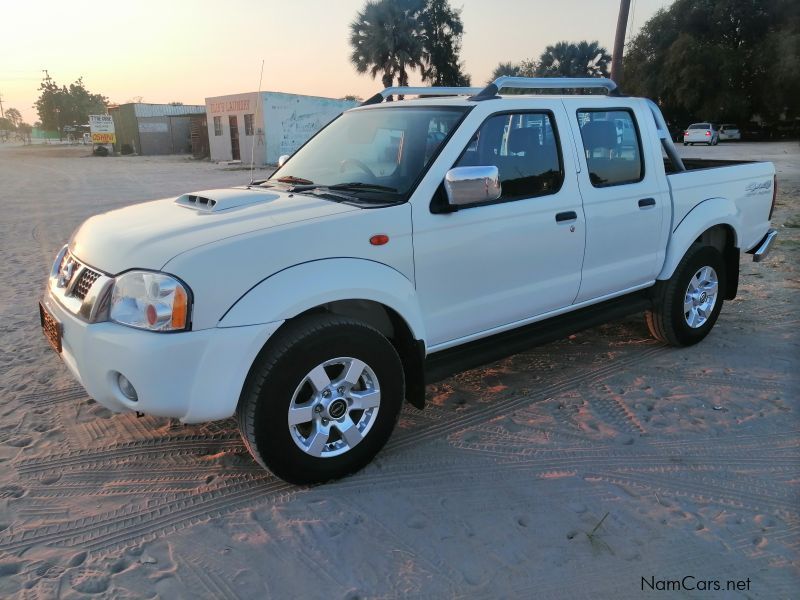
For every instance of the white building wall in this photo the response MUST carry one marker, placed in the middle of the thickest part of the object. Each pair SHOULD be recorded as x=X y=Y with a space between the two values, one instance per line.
x=291 y=119
x=282 y=123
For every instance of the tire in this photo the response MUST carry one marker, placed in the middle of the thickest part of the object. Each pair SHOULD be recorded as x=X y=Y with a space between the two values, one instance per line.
x=685 y=143
x=669 y=320
x=330 y=436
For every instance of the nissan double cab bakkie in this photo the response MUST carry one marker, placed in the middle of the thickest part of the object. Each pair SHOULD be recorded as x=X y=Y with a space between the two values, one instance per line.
x=404 y=241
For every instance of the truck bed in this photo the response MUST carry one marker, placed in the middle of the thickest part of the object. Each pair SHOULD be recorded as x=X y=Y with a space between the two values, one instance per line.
x=746 y=185
x=697 y=164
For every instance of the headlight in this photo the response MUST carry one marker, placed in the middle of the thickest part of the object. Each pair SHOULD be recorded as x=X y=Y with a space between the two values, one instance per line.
x=148 y=300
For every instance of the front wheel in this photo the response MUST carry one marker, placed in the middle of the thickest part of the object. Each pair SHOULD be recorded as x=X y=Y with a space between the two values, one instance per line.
x=322 y=400
x=686 y=306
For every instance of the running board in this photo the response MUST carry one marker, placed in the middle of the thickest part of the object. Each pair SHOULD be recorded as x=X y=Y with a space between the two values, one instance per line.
x=446 y=363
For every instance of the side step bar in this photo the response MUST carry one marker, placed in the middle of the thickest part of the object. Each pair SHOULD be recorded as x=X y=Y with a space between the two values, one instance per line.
x=762 y=249
x=441 y=365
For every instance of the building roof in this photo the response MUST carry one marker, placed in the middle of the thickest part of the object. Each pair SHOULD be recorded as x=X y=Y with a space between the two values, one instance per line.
x=141 y=109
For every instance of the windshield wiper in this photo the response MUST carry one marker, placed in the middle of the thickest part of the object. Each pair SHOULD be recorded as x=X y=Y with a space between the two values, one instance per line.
x=293 y=179
x=360 y=185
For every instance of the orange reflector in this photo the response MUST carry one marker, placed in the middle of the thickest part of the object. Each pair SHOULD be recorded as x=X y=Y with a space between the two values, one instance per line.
x=179 y=306
x=379 y=240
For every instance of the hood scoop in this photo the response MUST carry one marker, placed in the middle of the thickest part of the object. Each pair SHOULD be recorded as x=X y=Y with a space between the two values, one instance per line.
x=213 y=201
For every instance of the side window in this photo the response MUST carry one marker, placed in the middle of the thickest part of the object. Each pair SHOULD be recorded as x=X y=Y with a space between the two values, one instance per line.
x=217 y=125
x=524 y=148
x=612 y=147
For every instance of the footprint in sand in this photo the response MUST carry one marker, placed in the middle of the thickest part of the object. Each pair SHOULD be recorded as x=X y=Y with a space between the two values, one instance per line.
x=20 y=442
x=11 y=491
x=89 y=581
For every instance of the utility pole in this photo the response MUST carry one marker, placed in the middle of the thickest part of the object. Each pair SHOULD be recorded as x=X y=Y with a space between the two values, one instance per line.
x=2 y=114
x=619 y=41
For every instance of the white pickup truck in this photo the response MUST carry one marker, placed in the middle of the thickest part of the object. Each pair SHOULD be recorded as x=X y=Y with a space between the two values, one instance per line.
x=406 y=239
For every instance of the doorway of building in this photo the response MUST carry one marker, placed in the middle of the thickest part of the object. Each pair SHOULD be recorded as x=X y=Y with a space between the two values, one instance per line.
x=234 y=138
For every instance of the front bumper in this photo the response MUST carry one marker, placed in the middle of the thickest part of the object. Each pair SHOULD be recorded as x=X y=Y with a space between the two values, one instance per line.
x=193 y=376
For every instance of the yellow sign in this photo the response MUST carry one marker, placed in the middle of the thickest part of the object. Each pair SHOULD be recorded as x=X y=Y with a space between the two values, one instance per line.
x=104 y=138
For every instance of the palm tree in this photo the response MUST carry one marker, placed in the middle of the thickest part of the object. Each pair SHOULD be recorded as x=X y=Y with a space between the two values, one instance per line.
x=567 y=59
x=507 y=68
x=386 y=39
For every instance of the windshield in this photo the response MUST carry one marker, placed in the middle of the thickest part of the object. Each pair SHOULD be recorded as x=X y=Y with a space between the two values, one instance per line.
x=700 y=126
x=381 y=151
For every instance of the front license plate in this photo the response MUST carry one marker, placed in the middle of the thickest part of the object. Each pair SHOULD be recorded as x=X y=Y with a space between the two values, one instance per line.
x=51 y=328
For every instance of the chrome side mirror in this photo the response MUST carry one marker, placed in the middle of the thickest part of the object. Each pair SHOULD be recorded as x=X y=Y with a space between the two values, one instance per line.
x=471 y=185
x=282 y=159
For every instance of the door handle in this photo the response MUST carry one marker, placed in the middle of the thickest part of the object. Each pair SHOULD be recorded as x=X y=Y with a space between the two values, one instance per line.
x=647 y=202
x=569 y=215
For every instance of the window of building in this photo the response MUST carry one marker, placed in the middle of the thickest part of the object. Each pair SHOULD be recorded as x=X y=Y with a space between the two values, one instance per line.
x=217 y=125
x=248 y=124
x=612 y=147
x=524 y=148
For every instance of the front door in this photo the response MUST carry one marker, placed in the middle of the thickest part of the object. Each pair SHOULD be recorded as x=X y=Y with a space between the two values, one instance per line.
x=234 y=138
x=490 y=265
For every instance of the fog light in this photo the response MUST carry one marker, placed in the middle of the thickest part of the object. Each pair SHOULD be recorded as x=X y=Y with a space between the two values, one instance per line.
x=126 y=387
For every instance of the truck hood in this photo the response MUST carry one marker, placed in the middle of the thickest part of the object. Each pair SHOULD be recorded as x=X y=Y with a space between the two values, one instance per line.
x=148 y=235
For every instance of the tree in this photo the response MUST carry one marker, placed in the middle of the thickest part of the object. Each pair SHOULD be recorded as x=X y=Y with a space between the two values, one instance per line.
x=567 y=59
x=525 y=68
x=60 y=106
x=13 y=115
x=719 y=60
x=442 y=30
x=394 y=37
x=386 y=40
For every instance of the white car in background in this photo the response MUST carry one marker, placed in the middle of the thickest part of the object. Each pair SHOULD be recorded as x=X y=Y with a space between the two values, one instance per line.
x=729 y=131
x=701 y=133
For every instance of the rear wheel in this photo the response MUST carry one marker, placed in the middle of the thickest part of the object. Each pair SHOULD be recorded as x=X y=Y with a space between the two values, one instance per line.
x=322 y=400
x=686 y=306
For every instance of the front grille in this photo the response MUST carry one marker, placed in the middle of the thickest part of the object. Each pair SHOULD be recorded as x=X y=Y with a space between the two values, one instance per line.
x=88 y=277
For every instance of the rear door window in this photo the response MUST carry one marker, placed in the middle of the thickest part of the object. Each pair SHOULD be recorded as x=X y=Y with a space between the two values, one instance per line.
x=612 y=147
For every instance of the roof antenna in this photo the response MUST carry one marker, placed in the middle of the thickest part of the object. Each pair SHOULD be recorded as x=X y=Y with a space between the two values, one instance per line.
x=255 y=117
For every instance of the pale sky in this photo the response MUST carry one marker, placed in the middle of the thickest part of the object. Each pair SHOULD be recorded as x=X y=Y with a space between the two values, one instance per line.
x=180 y=50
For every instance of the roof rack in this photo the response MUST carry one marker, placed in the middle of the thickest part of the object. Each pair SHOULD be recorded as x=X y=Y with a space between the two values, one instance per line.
x=545 y=83
x=490 y=91
x=421 y=91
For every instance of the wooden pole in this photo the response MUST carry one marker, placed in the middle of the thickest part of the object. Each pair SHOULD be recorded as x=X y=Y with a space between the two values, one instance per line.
x=619 y=41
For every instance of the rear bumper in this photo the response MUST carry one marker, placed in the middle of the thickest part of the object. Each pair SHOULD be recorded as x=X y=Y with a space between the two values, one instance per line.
x=761 y=250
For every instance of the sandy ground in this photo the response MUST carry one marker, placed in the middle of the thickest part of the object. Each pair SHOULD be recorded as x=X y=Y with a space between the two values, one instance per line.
x=570 y=471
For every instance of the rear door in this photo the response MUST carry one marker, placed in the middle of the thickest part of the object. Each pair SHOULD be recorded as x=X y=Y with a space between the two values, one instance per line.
x=625 y=195
x=489 y=265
